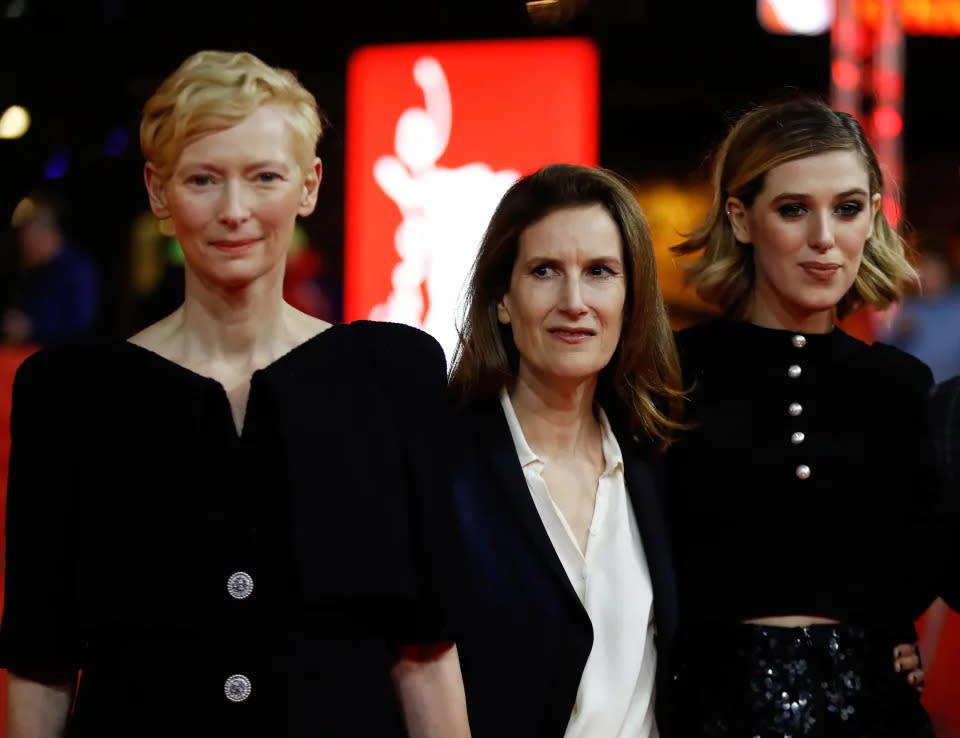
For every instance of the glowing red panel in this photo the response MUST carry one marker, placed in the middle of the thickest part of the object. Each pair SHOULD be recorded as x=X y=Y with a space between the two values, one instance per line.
x=436 y=133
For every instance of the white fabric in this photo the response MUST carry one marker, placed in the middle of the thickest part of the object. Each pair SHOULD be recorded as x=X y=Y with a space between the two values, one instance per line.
x=616 y=695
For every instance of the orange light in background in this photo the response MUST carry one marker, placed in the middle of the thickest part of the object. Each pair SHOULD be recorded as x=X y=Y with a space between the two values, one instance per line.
x=918 y=17
x=436 y=133
x=673 y=209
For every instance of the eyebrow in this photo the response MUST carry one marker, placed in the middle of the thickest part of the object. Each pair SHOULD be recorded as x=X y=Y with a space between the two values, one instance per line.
x=803 y=196
x=609 y=260
x=253 y=166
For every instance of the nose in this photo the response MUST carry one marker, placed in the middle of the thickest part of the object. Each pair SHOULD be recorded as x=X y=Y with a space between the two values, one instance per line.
x=821 y=236
x=233 y=207
x=571 y=299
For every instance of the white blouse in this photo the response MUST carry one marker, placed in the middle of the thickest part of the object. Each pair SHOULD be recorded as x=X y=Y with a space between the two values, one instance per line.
x=616 y=694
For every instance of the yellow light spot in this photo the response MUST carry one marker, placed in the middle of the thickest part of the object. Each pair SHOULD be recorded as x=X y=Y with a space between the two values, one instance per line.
x=14 y=122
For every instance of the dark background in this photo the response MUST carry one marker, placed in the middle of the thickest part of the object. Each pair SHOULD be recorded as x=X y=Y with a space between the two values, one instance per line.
x=674 y=74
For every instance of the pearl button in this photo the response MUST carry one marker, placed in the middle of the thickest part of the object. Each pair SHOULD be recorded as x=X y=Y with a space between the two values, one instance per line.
x=803 y=472
x=795 y=409
x=799 y=341
x=237 y=688
x=240 y=585
x=794 y=371
x=797 y=438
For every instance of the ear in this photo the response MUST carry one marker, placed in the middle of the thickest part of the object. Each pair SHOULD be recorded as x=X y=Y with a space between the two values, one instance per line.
x=739 y=222
x=503 y=314
x=156 y=192
x=311 y=186
x=876 y=204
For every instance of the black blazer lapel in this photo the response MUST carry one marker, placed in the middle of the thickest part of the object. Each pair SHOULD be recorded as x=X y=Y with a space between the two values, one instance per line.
x=506 y=469
x=645 y=492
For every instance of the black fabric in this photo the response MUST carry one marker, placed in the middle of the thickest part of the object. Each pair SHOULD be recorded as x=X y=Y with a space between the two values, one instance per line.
x=945 y=420
x=132 y=500
x=857 y=540
x=820 y=681
x=526 y=635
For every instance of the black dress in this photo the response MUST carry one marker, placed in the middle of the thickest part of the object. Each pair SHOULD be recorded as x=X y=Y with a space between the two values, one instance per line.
x=806 y=487
x=209 y=583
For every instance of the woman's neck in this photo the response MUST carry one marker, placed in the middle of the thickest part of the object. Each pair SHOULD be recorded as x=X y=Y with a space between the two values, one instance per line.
x=556 y=419
x=768 y=313
x=229 y=334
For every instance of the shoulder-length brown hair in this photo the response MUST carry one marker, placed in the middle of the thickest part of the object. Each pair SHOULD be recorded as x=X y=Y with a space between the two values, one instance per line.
x=761 y=139
x=644 y=372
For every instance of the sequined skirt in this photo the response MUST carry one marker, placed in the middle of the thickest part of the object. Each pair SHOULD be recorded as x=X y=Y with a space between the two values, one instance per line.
x=830 y=681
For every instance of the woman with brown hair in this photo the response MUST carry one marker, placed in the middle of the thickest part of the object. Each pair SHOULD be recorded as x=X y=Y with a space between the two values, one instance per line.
x=566 y=384
x=804 y=493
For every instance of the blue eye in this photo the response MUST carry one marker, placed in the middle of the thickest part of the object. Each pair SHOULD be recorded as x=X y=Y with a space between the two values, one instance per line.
x=268 y=177
x=540 y=271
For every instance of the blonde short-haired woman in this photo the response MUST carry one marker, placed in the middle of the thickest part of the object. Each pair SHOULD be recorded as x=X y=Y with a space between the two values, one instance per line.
x=236 y=522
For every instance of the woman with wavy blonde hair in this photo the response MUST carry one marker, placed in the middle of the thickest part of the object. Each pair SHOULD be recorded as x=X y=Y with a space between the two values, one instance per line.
x=287 y=569
x=804 y=493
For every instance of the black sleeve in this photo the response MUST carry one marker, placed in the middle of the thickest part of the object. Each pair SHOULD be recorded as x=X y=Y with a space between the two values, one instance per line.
x=945 y=423
x=37 y=638
x=414 y=368
x=923 y=529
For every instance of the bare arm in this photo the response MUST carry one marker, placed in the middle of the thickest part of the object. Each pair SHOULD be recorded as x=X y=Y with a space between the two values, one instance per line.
x=36 y=710
x=430 y=687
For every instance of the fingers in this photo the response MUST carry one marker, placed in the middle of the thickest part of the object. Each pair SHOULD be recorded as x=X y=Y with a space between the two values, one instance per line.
x=906 y=657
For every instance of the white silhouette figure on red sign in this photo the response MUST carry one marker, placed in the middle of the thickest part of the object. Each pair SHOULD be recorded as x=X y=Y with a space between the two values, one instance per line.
x=445 y=211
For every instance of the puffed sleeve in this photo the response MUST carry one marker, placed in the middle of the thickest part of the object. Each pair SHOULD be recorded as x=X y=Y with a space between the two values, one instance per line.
x=414 y=368
x=36 y=636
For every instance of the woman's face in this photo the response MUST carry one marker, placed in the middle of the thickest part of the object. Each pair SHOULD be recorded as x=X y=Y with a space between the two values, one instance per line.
x=233 y=197
x=808 y=226
x=566 y=297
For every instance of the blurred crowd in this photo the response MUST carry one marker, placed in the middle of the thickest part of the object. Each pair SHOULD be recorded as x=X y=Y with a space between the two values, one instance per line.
x=52 y=289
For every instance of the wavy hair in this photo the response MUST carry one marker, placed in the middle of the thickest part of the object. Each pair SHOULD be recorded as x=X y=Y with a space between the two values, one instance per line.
x=760 y=140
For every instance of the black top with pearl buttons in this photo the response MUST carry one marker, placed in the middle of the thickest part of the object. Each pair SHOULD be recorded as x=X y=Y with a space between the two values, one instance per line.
x=806 y=484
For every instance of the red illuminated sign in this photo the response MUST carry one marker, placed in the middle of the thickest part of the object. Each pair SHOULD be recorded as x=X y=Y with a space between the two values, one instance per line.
x=436 y=133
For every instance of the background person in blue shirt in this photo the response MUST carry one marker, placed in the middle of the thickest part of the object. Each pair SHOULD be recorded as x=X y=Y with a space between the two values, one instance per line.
x=55 y=295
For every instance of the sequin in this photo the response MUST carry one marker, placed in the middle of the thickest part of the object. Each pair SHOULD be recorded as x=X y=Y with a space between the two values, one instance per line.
x=822 y=681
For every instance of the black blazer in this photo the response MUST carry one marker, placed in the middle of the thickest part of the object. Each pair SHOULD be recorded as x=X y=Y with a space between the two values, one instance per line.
x=526 y=635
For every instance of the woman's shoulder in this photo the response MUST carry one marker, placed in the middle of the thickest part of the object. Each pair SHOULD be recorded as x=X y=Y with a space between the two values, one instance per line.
x=902 y=368
x=395 y=335
x=399 y=345
x=701 y=342
x=70 y=362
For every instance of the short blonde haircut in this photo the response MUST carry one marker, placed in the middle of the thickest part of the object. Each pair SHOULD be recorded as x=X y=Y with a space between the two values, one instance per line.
x=760 y=140
x=214 y=90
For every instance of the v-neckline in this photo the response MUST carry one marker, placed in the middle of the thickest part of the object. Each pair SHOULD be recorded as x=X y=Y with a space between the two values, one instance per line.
x=237 y=434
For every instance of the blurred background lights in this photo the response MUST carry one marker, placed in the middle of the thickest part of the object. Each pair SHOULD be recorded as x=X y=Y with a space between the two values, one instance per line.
x=14 y=122
x=806 y=17
x=15 y=8
x=116 y=142
x=57 y=164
